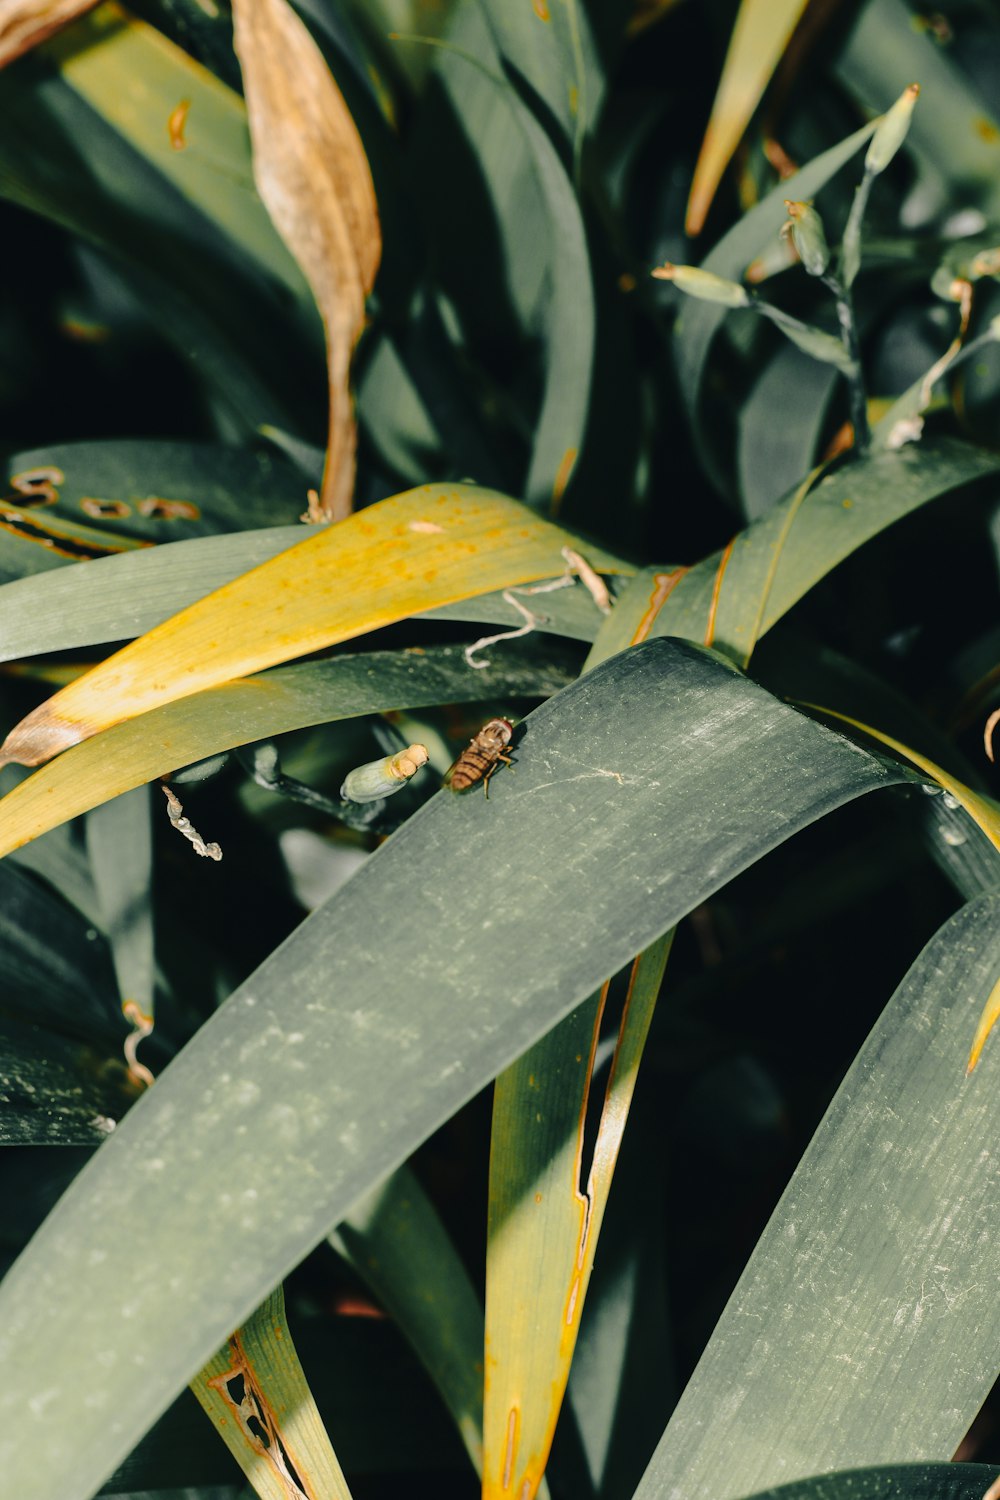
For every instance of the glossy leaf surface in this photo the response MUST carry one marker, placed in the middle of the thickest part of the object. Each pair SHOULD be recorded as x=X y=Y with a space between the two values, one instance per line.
x=309 y=1091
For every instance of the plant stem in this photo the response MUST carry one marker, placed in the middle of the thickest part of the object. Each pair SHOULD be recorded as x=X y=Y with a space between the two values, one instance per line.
x=857 y=395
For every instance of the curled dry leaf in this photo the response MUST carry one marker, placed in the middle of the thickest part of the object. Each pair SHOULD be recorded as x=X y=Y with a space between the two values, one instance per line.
x=25 y=23
x=312 y=173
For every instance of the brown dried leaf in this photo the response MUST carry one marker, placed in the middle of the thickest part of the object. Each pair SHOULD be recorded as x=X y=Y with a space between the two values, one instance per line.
x=25 y=23
x=312 y=173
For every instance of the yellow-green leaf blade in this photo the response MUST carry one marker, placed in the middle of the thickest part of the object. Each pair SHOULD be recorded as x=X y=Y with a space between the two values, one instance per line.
x=237 y=713
x=545 y=1222
x=760 y=36
x=255 y=1392
x=428 y=547
x=181 y=118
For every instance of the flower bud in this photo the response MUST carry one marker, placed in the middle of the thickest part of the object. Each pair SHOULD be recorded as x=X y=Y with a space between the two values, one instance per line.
x=947 y=285
x=891 y=130
x=380 y=778
x=986 y=263
x=805 y=229
x=704 y=285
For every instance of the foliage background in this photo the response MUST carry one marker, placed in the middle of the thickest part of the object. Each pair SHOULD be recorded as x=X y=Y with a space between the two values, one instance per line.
x=513 y=320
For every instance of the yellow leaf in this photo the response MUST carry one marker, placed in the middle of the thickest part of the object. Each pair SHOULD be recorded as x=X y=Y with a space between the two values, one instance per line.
x=312 y=173
x=760 y=36
x=428 y=547
x=256 y=1394
x=545 y=1220
x=25 y=23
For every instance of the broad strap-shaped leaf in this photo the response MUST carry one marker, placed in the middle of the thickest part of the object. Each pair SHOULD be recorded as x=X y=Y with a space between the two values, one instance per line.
x=272 y=703
x=732 y=598
x=896 y=1482
x=312 y=173
x=120 y=845
x=539 y=237
x=182 y=120
x=865 y=1326
x=398 y=1245
x=983 y=811
x=118 y=598
x=256 y=1393
x=546 y=1210
x=761 y=34
x=55 y=1092
x=428 y=547
x=328 y=1066
x=549 y=43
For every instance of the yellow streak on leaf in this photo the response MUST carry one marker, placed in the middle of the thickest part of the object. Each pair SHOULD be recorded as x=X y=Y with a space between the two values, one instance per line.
x=312 y=173
x=370 y=570
x=982 y=810
x=761 y=33
x=543 y=1230
x=256 y=1394
x=987 y=1021
x=25 y=23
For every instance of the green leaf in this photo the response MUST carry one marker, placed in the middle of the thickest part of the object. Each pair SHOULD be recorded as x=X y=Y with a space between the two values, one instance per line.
x=118 y=598
x=186 y=124
x=158 y=491
x=339 y=1054
x=120 y=845
x=549 y=43
x=255 y=1392
x=257 y=708
x=398 y=1245
x=61 y=159
x=898 y=1482
x=780 y=425
x=831 y=1350
x=544 y=265
x=54 y=968
x=366 y=1383
x=699 y=322
x=54 y=1092
x=736 y=596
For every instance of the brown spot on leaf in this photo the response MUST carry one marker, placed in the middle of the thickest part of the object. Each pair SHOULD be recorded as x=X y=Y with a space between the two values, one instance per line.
x=105 y=510
x=176 y=123
x=157 y=509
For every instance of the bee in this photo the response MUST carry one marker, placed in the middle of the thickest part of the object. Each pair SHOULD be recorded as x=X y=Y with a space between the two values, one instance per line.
x=481 y=756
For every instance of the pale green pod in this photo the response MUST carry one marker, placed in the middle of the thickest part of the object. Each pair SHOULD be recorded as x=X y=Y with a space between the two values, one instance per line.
x=381 y=778
x=805 y=229
x=891 y=131
x=703 y=285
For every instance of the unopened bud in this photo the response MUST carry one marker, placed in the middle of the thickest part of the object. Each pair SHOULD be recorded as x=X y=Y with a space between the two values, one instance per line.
x=806 y=232
x=890 y=133
x=947 y=285
x=704 y=285
x=986 y=263
x=381 y=778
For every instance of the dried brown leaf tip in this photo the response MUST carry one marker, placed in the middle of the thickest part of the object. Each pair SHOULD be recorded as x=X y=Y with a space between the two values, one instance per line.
x=991 y=724
x=25 y=23
x=312 y=173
